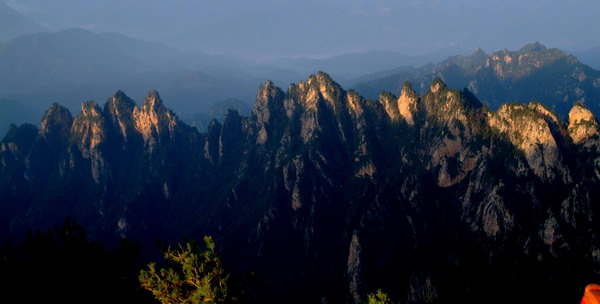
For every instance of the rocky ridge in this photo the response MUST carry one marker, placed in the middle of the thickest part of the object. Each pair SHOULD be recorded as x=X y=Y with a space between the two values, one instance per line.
x=425 y=196
x=532 y=73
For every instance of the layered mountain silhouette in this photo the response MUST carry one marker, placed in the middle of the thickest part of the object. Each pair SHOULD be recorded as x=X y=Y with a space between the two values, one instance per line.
x=74 y=64
x=13 y=23
x=533 y=73
x=321 y=195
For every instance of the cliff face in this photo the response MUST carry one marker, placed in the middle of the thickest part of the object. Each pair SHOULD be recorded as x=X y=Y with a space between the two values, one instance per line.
x=327 y=196
x=532 y=130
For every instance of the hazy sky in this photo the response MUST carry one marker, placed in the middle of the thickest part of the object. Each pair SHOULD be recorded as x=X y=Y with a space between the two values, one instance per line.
x=262 y=28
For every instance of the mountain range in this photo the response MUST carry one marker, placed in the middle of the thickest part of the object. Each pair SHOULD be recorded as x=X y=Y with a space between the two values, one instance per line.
x=73 y=65
x=321 y=195
x=533 y=73
x=69 y=64
x=39 y=67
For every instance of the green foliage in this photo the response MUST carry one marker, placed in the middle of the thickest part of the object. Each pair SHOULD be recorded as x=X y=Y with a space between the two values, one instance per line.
x=579 y=104
x=197 y=276
x=379 y=298
x=588 y=124
x=520 y=112
x=409 y=90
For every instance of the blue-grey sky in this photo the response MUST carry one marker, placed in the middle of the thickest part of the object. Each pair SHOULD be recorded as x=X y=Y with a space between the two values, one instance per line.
x=259 y=28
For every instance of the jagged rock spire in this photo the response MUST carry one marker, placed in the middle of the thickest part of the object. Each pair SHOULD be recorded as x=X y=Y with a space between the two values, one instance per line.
x=91 y=109
x=268 y=109
x=154 y=121
x=437 y=84
x=152 y=101
x=119 y=111
x=57 y=120
x=408 y=102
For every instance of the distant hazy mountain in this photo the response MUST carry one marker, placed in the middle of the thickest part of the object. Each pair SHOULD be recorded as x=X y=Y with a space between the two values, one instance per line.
x=216 y=111
x=321 y=195
x=74 y=65
x=533 y=73
x=352 y=65
x=13 y=23
x=590 y=57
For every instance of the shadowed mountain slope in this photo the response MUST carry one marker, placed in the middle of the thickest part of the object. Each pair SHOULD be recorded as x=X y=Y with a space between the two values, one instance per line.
x=323 y=195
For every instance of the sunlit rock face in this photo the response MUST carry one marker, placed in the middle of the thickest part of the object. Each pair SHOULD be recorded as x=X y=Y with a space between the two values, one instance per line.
x=532 y=73
x=583 y=125
x=153 y=121
x=326 y=195
x=90 y=131
x=529 y=128
x=407 y=103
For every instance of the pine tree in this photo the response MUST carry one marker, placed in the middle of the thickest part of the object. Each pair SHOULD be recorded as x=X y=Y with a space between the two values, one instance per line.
x=197 y=276
x=379 y=298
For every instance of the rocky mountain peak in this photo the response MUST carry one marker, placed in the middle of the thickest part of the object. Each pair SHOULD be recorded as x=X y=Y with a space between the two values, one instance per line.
x=152 y=102
x=88 y=128
x=479 y=52
x=232 y=135
x=91 y=109
x=120 y=100
x=119 y=111
x=88 y=133
x=324 y=78
x=269 y=107
x=445 y=105
x=528 y=129
x=328 y=87
x=467 y=62
x=532 y=48
x=521 y=63
x=408 y=90
x=437 y=85
x=154 y=121
x=390 y=105
x=408 y=102
x=321 y=86
x=119 y=94
x=56 y=120
x=269 y=97
x=582 y=124
x=268 y=90
x=89 y=121
x=546 y=113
